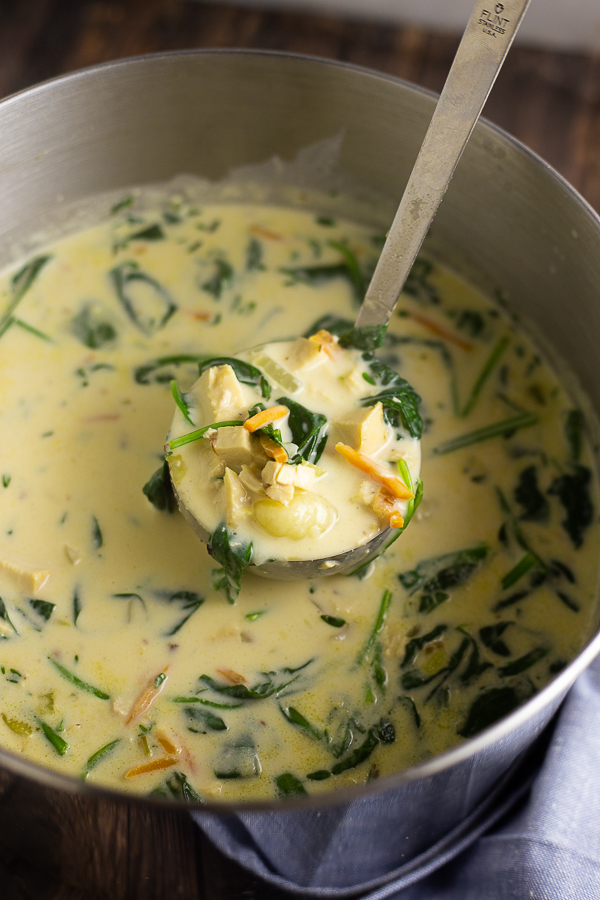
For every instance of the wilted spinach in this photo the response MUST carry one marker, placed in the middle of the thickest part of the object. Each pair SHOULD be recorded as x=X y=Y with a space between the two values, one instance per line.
x=399 y=399
x=273 y=684
x=147 y=303
x=220 y=279
x=436 y=576
x=529 y=497
x=233 y=554
x=92 y=330
x=159 y=490
x=309 y=431
x=573 y=491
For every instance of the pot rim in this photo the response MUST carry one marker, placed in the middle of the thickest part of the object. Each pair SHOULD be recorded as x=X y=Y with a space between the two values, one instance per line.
x=444 y=761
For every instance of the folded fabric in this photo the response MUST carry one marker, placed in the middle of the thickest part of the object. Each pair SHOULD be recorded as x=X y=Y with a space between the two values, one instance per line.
x=535 y=837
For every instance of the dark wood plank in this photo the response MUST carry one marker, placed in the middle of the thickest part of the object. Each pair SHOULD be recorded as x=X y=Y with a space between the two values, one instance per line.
x=56 y=846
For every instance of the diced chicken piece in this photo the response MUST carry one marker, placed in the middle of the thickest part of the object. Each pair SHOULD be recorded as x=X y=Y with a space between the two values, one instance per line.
x=251 y=481
x=28 y=579
x=363 y=430
x=234 y=446
x=283 y=493
x=216 y=467
x=237 y=505
x=305 y=354
x=301 y=476
x=355 y=382
x=366 y=492
x=326 y=341
x=225 y=394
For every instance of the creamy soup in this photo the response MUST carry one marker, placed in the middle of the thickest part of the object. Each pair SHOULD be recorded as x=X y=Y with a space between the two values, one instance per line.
x=123 y=660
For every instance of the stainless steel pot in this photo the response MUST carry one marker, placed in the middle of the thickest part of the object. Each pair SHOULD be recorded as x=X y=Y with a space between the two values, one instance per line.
x=507 y=215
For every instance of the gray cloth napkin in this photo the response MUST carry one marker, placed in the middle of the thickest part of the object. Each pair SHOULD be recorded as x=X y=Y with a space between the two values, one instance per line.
x=536 y=837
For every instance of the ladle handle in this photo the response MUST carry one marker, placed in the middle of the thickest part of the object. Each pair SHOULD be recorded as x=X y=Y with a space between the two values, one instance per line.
x=482 y=50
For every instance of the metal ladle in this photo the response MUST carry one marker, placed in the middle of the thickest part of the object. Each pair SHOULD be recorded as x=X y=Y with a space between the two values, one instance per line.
x=479 y=58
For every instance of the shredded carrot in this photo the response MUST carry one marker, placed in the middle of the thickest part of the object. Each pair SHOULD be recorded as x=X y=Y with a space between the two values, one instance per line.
x=377 y=472
x=167 y=744
x=145 y=700
x=441 y=331
x=233 y=677
x=273 y=450
x=163 y=762
x=265 y=417
x=202 y=316
x=266 y=233
x=327 y=341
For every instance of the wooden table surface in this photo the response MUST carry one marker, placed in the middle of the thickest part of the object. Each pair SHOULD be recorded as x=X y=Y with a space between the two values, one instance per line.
x=56 y=847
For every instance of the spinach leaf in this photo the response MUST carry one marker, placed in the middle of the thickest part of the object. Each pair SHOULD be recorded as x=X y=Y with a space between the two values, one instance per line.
x=309 y=431
x=349 y=269
x=97 y=539
x=488 y=708
x=273 y=684
x=190 y=602
x=290 y=786
x=254 y=255
x=528 y=495
x=410 y=703
x=329 y=322
x=244 y=372
x=506 y=428
x=399 y=399
x=4 y=615
x=177 y=787
x=20 y=283
x=488 y=368
x=416 y=644
x=90 y=329
x=154 y=371
x=574 y=426
x=523 y=662
x=220 y=279
x=43 y=608
x=517 y=572
x=319 y=775
x=239 y=760
x=146 y=302
x=359 y=754
x=78 y=682
x=377 y=627
x=203 y=721
x=159 y=490
x=334 y=621
x=491 y=637
x=291 y=715
x=233 y=554
x=468 y=320
x=76 y=606
x=98 y=756
x=181 y=402
x=59 y=743
x=475 y=665
x=418 y=284
x=436 y=576
x=122 y=204
x=573 y=491
x=148 y=233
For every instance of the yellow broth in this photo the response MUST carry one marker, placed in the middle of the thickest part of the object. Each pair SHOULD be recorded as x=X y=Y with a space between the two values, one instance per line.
x=122 y=660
